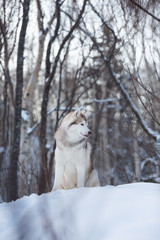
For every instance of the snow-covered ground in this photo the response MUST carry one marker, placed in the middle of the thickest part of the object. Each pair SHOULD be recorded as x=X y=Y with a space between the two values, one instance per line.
x=126 y=212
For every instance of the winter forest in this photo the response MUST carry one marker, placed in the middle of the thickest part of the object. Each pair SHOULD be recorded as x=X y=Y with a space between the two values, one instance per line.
x=57 y=56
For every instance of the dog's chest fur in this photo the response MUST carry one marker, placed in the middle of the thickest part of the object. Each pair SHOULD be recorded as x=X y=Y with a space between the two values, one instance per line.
x=73 y=159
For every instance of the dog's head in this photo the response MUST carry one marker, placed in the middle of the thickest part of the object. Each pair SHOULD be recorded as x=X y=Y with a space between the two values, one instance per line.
x=77 y=125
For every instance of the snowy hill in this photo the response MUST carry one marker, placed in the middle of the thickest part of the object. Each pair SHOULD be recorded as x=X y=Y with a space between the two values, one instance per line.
x=126 y=212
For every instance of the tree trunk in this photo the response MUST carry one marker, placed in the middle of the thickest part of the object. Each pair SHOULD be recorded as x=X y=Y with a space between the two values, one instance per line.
x=28 y=105
x=13 y=168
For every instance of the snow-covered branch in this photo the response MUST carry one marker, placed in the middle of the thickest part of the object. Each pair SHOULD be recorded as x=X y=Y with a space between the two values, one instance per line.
x=107 y=61
x=134 y=108
x=107 y=100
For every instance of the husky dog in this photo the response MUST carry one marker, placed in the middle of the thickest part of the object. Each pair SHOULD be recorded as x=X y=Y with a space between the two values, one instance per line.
x=73 y=168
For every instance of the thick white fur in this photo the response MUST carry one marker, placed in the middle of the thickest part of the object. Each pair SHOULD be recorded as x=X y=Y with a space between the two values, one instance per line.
x=73 y=167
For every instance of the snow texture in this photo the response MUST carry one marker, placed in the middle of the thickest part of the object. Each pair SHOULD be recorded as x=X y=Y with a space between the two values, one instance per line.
x=125 y=212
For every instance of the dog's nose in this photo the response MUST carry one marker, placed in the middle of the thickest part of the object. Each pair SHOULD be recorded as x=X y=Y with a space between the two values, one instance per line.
x=89 y=133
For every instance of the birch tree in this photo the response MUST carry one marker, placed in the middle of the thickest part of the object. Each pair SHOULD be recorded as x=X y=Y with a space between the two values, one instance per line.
x=29 y=101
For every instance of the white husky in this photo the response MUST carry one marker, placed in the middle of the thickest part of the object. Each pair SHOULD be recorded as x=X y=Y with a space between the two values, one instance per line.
x=73 y=168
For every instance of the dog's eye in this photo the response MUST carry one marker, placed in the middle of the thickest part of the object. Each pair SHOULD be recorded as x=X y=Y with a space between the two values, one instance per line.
x=82 y=124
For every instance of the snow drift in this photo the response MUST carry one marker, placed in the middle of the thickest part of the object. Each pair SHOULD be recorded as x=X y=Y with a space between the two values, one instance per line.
x=125 y=212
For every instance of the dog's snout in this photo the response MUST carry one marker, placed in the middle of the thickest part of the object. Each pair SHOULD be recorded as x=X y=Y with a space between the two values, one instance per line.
x=89 y=132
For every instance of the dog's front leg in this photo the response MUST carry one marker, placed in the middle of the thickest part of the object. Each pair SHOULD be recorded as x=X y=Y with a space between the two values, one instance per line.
x=59 y=169
x=80 y=177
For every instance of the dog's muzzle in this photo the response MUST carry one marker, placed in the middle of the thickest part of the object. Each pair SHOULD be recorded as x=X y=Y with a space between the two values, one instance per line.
x=87 y=135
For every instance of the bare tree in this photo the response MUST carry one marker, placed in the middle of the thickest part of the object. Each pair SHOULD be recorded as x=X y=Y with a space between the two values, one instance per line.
x=43 y=182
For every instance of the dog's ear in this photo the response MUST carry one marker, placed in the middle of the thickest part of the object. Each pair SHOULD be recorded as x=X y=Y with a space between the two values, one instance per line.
x=77 y=113
x=84 y=112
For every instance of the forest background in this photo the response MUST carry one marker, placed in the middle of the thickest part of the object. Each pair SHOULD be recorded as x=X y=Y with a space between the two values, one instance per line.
x=56 y=56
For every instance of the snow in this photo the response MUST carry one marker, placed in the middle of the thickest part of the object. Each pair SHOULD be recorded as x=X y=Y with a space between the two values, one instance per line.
x=24 y=115
x=2 y=149
x=47 y=79
x=125 y=212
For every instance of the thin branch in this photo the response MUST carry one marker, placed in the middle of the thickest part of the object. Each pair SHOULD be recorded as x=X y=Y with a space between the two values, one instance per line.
x=52 y=39
x=109 y=28
x=145 y=10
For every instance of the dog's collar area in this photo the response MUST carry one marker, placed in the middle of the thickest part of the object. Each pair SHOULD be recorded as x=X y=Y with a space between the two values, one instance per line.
x=76 y=143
